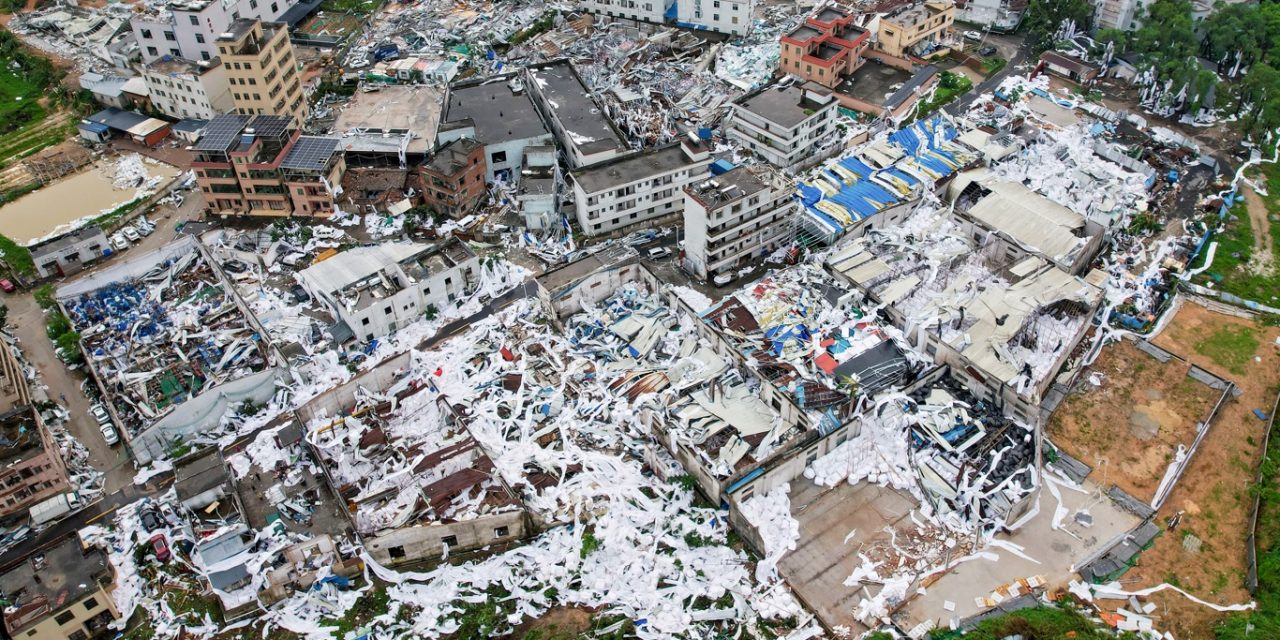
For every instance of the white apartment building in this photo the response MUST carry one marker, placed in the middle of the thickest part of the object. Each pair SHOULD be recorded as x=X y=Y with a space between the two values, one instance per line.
x=188 y=28
x=585 y=133
x=722 y=16
x=787 y=125
x=379 y=289
x=638 y=188
x=646 y=10
x=181 y=88
x=736 y=218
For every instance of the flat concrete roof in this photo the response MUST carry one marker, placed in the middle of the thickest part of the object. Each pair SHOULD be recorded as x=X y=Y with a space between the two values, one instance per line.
x=582 y=119
x=67 y=575
x=499 y=115
x=631 y=168
x=395 y=108
x=874 y=83
x=782 y=106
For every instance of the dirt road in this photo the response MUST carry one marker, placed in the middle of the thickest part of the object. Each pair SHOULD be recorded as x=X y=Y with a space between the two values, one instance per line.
x=1262 y=261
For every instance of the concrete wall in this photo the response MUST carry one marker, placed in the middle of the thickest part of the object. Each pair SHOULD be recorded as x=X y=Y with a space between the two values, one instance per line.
x=341 y=399
x=597 y=287
x=425 y=542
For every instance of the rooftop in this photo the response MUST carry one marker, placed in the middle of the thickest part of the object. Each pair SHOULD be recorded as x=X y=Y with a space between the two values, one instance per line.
x=498 y=113
x=585 y=124
x=554 y=279
x=452 y=157
x=36 y=589
x=786 y=106
x=200 y=473
x=1032 y=220
x=310 y=153
x=728 y=187
x=393 y=109
x=632 y=168
x=87 y=232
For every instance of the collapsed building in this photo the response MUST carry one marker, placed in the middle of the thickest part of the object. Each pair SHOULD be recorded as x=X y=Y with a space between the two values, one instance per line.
x=164 y=330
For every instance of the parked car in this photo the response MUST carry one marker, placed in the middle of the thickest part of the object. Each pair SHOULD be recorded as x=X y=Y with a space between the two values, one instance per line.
x=160 y=547
x=987 y=51
x=659 y=253
x=151 y=520
x=131 y=234
x=722 y=279
x=109 y=434
x=973 y=35
x=100 y=413
x=7 y=286
x=299 y=294
x=119 y=242
x=145 y=228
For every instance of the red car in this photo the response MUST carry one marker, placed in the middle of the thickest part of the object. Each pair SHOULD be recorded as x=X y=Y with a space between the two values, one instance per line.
x=161 y=547
x=7 y=286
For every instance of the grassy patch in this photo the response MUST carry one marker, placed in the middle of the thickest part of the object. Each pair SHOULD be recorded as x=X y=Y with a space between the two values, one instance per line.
x=107 y=219
x=1039 y=623
x=1230 y=269
x=1229 y=347
x=950 y=86
x=361 y=7
x=993 y=65
x=371 y=604
x=17 y=256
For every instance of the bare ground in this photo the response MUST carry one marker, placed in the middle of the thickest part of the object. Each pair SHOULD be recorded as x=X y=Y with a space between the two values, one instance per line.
x=1128 y=428
x=1261 y=261
x=1214 y=494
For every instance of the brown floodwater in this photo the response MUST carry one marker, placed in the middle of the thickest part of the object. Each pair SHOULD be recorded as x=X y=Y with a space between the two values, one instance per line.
x=71 y=198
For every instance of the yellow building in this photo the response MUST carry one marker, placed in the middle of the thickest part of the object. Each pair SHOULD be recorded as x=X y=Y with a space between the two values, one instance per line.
x=261 y=69
x=62 y=594
x=917 y=29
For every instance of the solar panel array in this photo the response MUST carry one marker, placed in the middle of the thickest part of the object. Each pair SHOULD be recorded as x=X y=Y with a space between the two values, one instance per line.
x=270 y=126
x=221 y=132
x=310 y=153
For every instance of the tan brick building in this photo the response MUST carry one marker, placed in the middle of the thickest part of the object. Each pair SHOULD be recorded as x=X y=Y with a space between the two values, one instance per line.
x=916 y=29
x=453 y=179
x=261 y=69
x=825 y=49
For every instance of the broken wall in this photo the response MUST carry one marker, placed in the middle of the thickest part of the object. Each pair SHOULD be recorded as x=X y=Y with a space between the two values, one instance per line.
x=419 y=543
x=341 y=399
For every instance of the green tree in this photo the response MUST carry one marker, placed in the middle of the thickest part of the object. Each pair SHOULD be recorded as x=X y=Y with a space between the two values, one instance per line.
x=1045 y=17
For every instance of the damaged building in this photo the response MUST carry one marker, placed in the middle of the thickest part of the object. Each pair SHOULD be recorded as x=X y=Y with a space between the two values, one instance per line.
x=638 y=188
x=736 y=219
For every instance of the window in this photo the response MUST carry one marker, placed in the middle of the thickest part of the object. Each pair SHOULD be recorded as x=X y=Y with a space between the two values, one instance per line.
x=497 y=157
x=64 y=617
x=78 y=635
x=200 y=38
x=168 y=35
x=387 y=310
x=146 y=33
x=153 y=52
x=395 y=552
x=204 y=55
x=364 y=322
x=253 y=4
x=90 y=604
x=449 y=540
x=275 y=7
x=501 y=532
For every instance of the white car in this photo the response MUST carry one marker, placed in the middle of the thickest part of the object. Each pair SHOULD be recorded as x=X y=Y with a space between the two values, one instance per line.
x=131 y=234
x=100 y=414
x=144 y=228
x=973 y=35
x=109 y=435
x=659 y=253
x=722 y=279
x=119 y=242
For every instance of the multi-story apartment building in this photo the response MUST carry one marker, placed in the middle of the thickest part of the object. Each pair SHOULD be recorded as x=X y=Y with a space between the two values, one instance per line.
x=188 y=29
x=379 y=289
x=539 y=194
x=644 y=10
x=638 y=188
x=784 y=125
x=736 y=218
x=585 y=133
x=723 y=16
x=498 y=113
x=181 y=88
x=264 y=166
x=453 y=179
x=915 y=29
x=261 y=69
x=826 y=48
x=60 y=593
x=31 y=466
x=997 y=15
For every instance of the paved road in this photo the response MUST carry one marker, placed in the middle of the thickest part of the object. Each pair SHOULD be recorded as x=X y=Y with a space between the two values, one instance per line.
x=91 y=514
x=961 y=104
